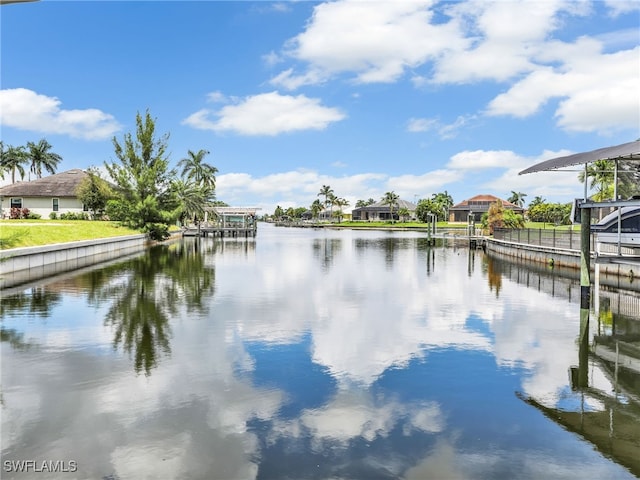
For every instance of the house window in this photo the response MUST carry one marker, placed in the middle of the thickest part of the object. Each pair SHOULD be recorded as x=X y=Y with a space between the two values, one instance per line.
x=16 y=203
x=55 y=204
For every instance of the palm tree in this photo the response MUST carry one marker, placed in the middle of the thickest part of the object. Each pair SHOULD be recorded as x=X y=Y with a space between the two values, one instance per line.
x=191 y=200
x=517 y=198
x=391 y=199
x=601 y=173
x=340 y=202
x=12 y=159
x=195 y=169
x=537 y=200
x=40 y=156
x=327 y=192
x=404 y=213
x=443 y=202
x=316 y=208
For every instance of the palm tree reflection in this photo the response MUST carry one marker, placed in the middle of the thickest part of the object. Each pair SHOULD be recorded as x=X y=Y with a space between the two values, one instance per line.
x=148 y=291
x=38 y=302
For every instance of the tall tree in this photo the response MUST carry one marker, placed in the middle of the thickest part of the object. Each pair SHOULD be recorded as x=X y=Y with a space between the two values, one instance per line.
x=537 y=200
x=12 y=160
x=190 y=200
x=143 y=178
x=196 y=169
x=442 y=203
x=327 y=192
x=340 y=203
x=316 y=208
x=517 y=198
x=41 y=156
x=94 y=192
x=601 y=173
x=390 y=199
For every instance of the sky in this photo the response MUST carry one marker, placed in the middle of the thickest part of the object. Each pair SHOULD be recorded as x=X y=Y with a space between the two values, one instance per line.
x=415 y=97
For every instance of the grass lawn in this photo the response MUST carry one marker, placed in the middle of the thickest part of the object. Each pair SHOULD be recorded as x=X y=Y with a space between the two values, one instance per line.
x=551 y=226
x=460 y=225
x=349 y=223
x=29 y=233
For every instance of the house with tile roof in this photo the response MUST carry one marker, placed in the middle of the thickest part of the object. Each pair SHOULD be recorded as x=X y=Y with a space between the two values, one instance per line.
x=55 y=193
x=380 y=211
x=477 y=206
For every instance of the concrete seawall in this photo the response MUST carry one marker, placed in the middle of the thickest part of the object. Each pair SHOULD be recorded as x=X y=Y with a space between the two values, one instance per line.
x=22 y=265
x=561 y=257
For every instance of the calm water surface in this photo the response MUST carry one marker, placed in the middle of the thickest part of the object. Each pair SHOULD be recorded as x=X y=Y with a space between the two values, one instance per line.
x=306 y=353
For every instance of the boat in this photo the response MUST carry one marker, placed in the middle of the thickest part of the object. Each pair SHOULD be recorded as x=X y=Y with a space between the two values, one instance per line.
x=606 y=230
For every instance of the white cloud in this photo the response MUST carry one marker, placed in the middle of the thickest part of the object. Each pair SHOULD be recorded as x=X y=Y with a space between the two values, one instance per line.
x=407 y=186
x=599 y=91
x=27 y=110
x=421 y=124
x=217 y=97
x=271 y=58
x=445 y=131
x=619 y=7
x=499 y=44
x=472 y=42
x=376 y=41
x=267 y=114
x=482 y=159
x=295 y=188
x=546 y=184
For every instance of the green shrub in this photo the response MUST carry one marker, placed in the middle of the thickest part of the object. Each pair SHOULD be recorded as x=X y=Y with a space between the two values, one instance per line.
x=33 y=216
x=53 y=216
x=74 y=216
x=157 y=231
x=116 y=210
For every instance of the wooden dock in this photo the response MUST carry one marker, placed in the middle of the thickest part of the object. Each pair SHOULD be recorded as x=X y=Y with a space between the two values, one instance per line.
x=228 y=222
x=219 y=231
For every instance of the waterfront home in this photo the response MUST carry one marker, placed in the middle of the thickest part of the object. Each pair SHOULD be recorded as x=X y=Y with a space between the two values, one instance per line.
x=380 y=211
x=477 y=206
x=55 y=193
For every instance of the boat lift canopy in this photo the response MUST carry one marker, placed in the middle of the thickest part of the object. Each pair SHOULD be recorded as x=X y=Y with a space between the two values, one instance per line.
x=626 y=151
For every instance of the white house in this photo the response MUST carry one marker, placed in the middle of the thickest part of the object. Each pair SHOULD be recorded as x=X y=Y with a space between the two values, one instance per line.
x=55 y=193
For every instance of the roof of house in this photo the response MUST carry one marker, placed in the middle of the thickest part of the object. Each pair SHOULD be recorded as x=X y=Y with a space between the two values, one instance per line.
x=385 y=206
x=483 y=199
x=62 y=184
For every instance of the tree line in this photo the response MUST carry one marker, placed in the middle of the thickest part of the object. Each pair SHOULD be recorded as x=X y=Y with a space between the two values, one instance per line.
x=34 y=157
x=142 y=192
x=148 y=194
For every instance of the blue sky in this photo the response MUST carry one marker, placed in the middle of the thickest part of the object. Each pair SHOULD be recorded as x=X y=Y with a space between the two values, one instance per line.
x=417 y=97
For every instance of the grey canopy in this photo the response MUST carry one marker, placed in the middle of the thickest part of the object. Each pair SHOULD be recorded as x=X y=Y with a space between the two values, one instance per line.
x=626 y=151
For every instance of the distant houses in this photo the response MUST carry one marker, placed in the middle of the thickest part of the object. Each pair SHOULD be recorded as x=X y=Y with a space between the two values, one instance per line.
x=380 y=211
x=55 y=193
x=476 y=206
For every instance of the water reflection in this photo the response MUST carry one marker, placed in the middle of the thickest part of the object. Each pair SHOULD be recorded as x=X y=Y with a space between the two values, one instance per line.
x=14 y=338
x=147 y=292
x=36 y=302
x=603 y=404
x=305 y=354
x=326 y=250
x=493 y=269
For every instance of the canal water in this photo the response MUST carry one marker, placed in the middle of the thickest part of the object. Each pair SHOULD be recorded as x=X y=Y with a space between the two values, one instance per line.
x=314 y=354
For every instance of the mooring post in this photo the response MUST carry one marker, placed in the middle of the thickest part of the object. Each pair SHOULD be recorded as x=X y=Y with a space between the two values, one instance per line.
x=585 y=296
x=585 y=258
